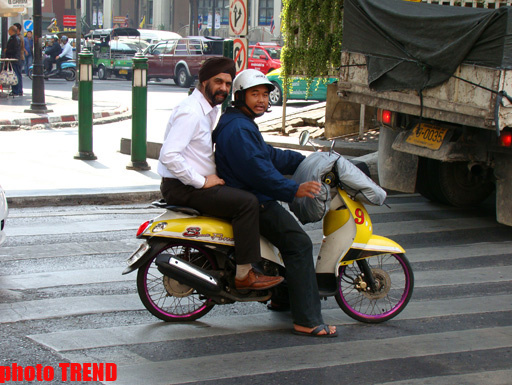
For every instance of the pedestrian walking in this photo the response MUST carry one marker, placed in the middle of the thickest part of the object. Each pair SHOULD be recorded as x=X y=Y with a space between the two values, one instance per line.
x=12 y=51
x=29 y=51
x=21 y=57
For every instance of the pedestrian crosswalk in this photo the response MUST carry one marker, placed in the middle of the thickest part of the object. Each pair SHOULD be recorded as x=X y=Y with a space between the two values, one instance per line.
x=455 y=330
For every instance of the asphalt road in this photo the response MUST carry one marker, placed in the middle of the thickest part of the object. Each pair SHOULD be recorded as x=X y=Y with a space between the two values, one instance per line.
x=63 y=300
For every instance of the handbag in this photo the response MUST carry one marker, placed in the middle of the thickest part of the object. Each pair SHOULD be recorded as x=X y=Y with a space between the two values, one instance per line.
x=8 y=76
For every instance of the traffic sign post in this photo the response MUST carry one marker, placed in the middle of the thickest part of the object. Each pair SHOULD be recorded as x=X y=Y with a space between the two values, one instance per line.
x=238 y=26
x=240 y=53
x=238 y=18
x=28 y=25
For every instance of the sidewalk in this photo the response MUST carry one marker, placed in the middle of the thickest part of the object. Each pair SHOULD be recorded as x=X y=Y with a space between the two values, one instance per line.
x=37 y=155
x=61 y=109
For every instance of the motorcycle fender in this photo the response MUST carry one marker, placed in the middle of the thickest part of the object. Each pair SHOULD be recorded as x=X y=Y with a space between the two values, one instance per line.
x=197 y=229
x=270 y=252
x=379 y=245
x=154 y=248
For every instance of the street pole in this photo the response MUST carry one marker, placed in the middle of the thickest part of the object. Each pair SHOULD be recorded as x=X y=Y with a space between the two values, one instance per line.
x=213 y=18
x=85 y=107
x=38 y=104
x=139 y=114
x=78 y=45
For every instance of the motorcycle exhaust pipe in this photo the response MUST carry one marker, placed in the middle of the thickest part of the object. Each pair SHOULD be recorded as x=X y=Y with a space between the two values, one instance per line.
x=188 y=274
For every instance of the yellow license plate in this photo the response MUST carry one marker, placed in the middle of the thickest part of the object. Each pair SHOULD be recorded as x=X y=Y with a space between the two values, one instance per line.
x=123 y=72
x=427 y=135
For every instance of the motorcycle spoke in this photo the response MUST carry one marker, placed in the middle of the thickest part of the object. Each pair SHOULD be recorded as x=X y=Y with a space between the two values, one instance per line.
x=167 y=298
x=393 y=287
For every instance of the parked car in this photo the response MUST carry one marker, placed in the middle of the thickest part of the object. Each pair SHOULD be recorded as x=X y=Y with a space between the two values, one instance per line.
x=299 y=90
x=3 y=214
x=264 y=57
x=150 y=36
x=181 y=59
x=154 y=36
x=134 y=42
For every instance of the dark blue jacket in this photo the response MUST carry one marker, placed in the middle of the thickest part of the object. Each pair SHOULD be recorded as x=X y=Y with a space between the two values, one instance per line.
x=53 y=50
x=245 y=161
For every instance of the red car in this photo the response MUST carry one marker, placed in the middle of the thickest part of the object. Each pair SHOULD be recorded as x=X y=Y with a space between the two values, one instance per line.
x=264 y=57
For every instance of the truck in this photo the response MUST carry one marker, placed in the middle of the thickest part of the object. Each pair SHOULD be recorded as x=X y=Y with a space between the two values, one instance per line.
x=439 y=78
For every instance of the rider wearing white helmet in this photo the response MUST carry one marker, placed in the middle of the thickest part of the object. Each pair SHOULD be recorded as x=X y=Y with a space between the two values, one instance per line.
x=245 y=161
x=66 y=54
x=245 y=80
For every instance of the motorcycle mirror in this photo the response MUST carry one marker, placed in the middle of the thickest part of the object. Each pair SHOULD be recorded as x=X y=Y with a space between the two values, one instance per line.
x=333 y=143
x=304 y=138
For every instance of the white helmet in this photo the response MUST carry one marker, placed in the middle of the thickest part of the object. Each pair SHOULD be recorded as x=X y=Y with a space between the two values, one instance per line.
x=251 y=78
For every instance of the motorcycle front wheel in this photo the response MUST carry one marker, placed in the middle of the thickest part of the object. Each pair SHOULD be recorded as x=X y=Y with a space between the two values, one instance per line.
x=167 y=298
x=394 y=282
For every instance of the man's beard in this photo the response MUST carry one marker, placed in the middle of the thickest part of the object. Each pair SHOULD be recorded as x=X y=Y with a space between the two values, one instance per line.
x=213 y=97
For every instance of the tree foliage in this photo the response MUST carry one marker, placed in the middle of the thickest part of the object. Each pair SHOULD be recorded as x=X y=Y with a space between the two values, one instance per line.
x=312 y=31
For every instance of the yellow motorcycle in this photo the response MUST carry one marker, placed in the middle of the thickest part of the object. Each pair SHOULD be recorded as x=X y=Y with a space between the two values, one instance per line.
x=186 y=265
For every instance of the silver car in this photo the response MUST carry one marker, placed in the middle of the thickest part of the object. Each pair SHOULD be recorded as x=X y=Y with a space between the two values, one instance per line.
x=4 y=210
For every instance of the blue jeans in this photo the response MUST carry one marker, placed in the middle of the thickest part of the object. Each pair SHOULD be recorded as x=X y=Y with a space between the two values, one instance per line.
x=18 y=88
x=284 y=232
x=28 y=63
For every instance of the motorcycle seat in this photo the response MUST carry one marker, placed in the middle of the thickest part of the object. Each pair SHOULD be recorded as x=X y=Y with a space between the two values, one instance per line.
x=162 y=204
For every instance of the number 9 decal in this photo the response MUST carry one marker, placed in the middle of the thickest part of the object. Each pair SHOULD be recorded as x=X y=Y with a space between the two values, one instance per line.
x=359 y=219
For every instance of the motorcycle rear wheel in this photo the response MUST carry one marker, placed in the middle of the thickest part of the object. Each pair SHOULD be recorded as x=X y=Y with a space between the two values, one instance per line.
x=70 y=74
x=394 y=279
x=165 y=297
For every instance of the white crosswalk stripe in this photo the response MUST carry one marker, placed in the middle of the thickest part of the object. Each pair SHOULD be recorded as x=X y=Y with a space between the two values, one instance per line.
x=452 y=282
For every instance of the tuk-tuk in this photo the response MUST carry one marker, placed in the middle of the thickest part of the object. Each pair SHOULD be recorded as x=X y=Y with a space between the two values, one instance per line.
x=113 y=54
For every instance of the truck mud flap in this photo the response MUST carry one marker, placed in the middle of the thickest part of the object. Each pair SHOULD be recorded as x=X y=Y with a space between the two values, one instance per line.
x=397 y=170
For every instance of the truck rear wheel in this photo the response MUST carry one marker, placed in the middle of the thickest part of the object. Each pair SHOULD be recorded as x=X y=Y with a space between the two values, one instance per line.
x=454 y=183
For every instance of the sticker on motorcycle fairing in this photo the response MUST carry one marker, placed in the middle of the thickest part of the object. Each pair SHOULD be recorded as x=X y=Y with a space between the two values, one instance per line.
x=195 y=232
x=159 y=227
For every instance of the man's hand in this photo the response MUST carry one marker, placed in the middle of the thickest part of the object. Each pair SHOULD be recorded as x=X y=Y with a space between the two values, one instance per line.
x=213 y=180
x=308 y=189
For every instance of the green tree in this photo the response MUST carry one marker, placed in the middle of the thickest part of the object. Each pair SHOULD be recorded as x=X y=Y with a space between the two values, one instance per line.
x=312 y=31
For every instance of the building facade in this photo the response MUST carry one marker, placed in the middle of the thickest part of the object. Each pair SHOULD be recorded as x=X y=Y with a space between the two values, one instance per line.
x=186 y=17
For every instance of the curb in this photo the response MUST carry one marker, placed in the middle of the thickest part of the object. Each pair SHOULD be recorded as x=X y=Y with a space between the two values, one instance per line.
x=92 y=198
x=57 y=120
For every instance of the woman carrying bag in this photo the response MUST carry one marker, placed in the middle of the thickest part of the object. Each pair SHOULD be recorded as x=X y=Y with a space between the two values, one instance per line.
x=12 y=51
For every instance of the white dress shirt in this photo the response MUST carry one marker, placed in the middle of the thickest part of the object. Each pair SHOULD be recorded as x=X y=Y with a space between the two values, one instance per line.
x=67 y=51
x=187 y=151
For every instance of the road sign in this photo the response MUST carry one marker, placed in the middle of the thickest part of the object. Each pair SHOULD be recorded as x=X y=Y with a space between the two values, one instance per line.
x=240 y=54
x=69 y=21
x=119 y=20
x=238 y=18
x=28 y=25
